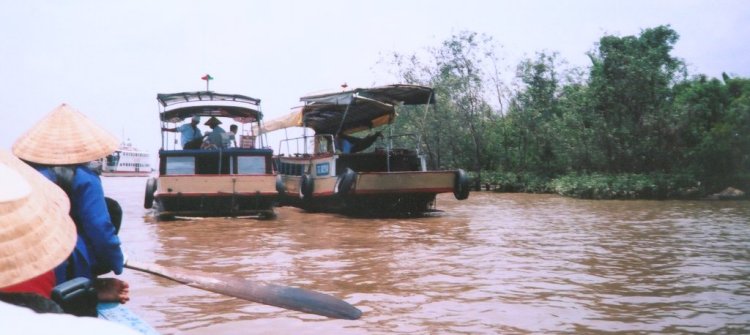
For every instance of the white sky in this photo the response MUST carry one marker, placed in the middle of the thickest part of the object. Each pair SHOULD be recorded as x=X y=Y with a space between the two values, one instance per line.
x=109 y=59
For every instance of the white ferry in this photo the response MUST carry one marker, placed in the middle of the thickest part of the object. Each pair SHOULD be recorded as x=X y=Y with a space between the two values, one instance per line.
x=126 y=161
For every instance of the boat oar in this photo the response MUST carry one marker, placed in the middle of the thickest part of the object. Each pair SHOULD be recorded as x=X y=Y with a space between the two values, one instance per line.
x=270 y=294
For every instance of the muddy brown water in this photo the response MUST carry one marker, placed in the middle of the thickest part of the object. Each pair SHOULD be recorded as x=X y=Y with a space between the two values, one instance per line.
x=495 y=263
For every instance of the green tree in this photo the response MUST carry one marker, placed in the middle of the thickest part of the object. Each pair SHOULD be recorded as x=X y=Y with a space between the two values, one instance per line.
x=577 y=130
x=632 y=121
x=456 y=130
x=630 y=82
x=714 y=130
x=535 y=113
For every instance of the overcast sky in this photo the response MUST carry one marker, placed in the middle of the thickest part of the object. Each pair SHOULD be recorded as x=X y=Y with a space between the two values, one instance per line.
x=109 y=59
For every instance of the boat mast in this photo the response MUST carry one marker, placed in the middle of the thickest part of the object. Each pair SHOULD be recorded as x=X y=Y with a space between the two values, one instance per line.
x=208 y=79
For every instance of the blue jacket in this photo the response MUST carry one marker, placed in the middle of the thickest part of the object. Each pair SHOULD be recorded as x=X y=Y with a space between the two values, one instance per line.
x=97 y=249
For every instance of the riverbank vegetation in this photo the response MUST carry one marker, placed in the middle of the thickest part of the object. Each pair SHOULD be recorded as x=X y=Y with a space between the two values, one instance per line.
x=633 y=124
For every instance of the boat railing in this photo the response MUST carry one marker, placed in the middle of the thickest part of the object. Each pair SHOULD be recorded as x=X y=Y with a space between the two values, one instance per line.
x=404 y=144
x=295 y=147
x=327 y=144
x=401 y=143
x=404 y=141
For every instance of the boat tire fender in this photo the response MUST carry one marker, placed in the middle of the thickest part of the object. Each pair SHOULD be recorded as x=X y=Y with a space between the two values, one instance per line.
x=346 y=182
x=461 y=185
x=280 y=185
x=307 y=186
x=148 y=200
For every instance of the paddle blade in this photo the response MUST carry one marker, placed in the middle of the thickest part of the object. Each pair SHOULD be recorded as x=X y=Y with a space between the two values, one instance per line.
x=269 y=294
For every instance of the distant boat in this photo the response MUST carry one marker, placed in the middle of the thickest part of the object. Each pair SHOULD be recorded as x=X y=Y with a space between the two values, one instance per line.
x=126 y=161
x=213 y=180
x=343 y=173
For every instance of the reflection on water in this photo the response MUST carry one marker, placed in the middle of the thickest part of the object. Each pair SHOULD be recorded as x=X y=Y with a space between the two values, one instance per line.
x=496 y=263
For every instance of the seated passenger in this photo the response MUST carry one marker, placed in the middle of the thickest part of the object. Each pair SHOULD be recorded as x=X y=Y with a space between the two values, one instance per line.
x=215 y=138
x=229 y=139
x=38 y=234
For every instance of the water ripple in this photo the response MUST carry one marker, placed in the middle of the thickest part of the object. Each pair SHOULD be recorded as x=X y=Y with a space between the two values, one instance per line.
x=496 y=263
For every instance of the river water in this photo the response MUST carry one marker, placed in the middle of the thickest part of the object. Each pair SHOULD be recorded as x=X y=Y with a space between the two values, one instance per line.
x=495 y=263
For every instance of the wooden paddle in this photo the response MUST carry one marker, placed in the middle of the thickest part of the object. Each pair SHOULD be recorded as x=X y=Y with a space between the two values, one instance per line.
x=270 y=294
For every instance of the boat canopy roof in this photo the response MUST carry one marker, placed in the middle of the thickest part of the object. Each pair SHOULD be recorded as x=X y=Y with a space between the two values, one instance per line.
x=354 y=110
x=183 y=105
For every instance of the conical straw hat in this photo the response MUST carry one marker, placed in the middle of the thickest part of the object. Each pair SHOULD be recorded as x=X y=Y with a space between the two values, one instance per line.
x=36 y=231
x=64 y=137
x=213 y=120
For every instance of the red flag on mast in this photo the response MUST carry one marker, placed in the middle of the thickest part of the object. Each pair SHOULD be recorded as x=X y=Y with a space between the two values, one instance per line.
x=207 y=77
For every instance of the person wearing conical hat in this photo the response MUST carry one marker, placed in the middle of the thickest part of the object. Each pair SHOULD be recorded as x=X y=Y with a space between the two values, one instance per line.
x=216 y=135
x=59 y=146
x=36 y=234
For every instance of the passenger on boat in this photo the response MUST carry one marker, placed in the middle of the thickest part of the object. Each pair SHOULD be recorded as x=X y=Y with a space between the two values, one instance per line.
x=352 y=144
x=214 y=138
x=230 y=140
x=38 y=234
x=190 y=136
x=59 y=146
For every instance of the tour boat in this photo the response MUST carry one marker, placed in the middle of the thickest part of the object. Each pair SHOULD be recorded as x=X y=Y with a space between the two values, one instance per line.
x=323 y=173
x=211 y=181
x=126 y=161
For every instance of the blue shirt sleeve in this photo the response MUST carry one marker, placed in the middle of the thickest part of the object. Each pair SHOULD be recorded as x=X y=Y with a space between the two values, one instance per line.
x=89 y=210
x=189 y=132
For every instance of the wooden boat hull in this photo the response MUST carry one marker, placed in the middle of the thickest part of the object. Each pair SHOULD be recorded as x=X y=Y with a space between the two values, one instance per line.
x=216 y=195
x=115 y=312
x=405 y=182
x=370 y=193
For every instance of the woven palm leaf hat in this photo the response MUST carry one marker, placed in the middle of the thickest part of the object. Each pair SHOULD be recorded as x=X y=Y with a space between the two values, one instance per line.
x=213 y=121
x=36 y=231
x=64 y=137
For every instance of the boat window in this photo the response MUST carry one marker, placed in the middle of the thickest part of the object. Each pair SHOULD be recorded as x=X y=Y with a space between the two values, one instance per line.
x=322 y=169
x=291 y=169
x=180 y=165
x=251 y=165
x=323 y=144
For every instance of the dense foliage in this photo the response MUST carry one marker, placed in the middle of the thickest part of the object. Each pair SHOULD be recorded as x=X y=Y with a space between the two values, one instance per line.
x=632 y=125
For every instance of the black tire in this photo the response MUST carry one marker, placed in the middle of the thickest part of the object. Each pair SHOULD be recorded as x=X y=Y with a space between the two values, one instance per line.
x=461 y=185
x=307 y=186
x=148 y=200
x=345 y=182
x=115 y=213
x=280 y=187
